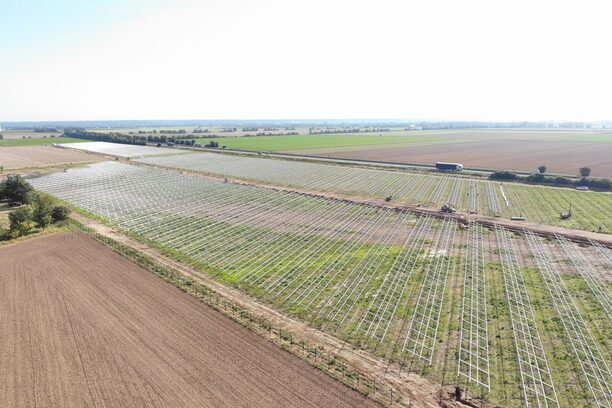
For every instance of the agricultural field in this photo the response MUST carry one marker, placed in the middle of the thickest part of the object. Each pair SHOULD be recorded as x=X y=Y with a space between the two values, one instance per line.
x=120 y=150
x=38 y=141
x=563 y=151
x=82 y=326
x=11 y=134
x=515 y=319
x=38 y=156
x=538 y=204
x=326 y=141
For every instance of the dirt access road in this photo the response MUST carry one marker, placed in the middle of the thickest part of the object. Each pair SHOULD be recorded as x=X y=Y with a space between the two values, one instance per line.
x=83 y=326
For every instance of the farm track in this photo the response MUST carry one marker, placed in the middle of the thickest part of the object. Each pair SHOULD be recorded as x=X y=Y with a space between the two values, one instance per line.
x=83 y=326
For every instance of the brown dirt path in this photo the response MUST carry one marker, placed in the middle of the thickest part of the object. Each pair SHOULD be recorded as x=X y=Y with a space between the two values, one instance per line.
x=82 y=326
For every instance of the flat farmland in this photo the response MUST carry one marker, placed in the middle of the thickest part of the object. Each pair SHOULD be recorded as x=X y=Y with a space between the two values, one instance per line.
x=82 y=326
x=37 y=156
x=503 y=313
x=537 y=203
x=562 y=151
x=326 y=141
x=37 y=141
x=10 y=134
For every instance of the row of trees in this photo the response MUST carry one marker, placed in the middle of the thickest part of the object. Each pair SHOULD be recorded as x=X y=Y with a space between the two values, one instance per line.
x=106 y=137
x=540 y=178
x=140 y=140
x=35 y=209
x=583 y=171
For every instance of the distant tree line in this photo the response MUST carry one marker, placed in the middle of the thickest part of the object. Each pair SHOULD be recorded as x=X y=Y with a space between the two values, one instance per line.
x=501 y=125
x=106 y=137
x=558 y=181
x=313 y=131
x=154 y=131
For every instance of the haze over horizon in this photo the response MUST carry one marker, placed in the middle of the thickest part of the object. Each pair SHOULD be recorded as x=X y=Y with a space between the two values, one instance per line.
x=473 y=60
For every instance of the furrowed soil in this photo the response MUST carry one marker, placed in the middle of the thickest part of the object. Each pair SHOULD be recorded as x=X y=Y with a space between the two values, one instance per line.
x=563 y=152
x=83 y=326
x=36 y=156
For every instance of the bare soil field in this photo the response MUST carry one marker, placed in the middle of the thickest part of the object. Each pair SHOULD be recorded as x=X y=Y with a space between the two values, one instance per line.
x=36 y=156
x=563 y=152
x=83 y=326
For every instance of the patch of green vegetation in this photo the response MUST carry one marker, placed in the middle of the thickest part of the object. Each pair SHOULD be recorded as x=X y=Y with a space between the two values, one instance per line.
x=590 y=210
x=300 y=142
x=38 y=141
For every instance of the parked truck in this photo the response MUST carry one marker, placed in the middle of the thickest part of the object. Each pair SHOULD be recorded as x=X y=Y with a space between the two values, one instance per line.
x=449 y=166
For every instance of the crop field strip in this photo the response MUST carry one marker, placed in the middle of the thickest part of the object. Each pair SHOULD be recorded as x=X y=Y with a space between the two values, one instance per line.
x=594 y=367
x=374 y=276
x=378 y=316
x=420 y=340
x=603 y=251
x=538 y=204
x=414 y=188
x=492 y=199
x=536 y=378
x=474 y=343
x=593 y=280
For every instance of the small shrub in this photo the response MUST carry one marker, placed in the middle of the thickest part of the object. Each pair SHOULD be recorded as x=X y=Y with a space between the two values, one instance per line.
x=60 y=213
x=502 y=175
x=20 y=221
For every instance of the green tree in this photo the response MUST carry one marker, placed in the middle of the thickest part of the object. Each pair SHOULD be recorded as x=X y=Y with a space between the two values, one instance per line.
x=542 y=169
x=20 y=221
x=42 y=209
x=585 y=171
x=60 y=213
x=17 y=190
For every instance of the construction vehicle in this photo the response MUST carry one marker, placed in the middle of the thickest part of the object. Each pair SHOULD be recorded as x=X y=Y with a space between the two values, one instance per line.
x=447 y=208
x=567 y=215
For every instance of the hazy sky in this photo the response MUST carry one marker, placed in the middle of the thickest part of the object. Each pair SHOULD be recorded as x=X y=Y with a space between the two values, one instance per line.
x=223 y=59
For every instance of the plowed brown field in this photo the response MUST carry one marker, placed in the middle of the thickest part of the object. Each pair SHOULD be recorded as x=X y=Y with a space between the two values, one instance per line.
x=36 y=156
x=82 y=326
x=518 y=150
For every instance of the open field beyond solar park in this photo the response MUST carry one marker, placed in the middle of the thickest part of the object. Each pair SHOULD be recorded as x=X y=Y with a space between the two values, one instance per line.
x=562 y=151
